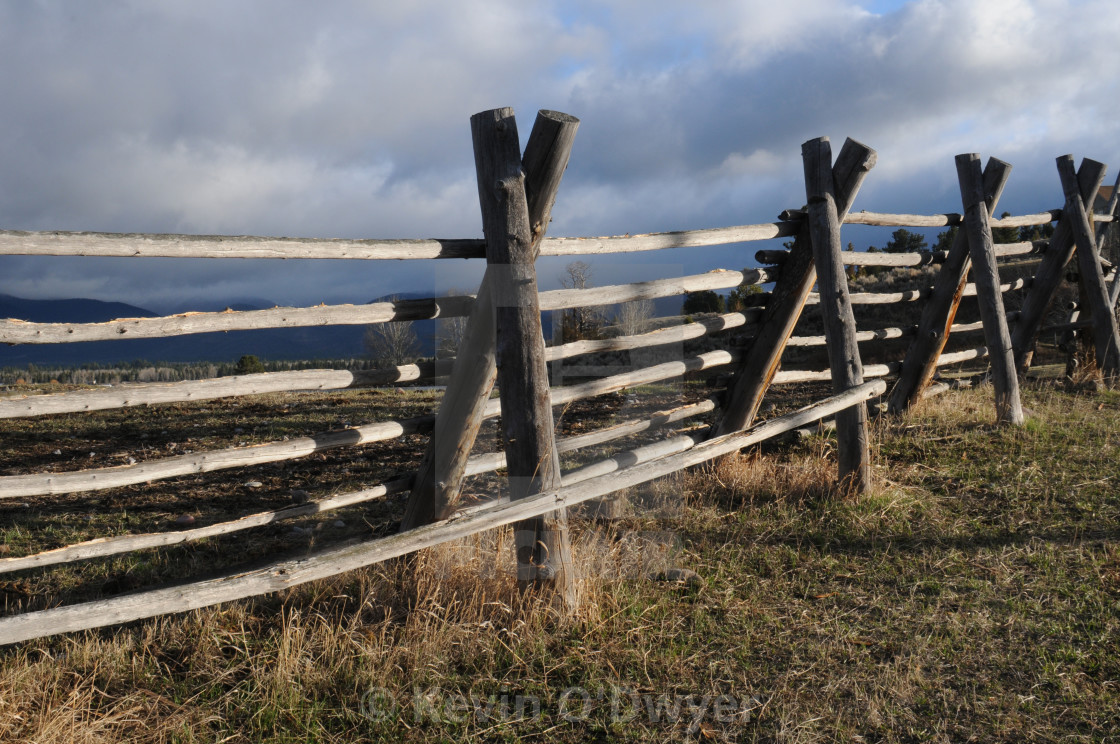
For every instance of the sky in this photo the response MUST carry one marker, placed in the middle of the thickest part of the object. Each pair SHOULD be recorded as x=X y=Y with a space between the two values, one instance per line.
x=351 y=119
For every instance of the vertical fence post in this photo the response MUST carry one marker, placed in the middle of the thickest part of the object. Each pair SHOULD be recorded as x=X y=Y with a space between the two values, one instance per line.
x=1050 y=271
x=982 y=251
x=543 y=551
x=795 y=281
x=836 y=308
x=920 y=363
x=1113 y=209
x=440 y=475
x=1105 y=338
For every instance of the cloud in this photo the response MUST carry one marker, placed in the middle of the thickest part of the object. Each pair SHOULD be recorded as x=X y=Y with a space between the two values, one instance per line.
x=350 y=119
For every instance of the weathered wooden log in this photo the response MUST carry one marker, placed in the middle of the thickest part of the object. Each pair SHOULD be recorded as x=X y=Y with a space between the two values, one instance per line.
x=495 y=460
x=853 y=445
x=440 y=475
x=913 y=295
x=561 y=299
x=636 y=456
x=1009 y=409
x=923 y=258
x=1113 y=211
x=935 y=220
x=791 y=376
x=327 y=379
x=21 y=243
x=634 y=378
x=240 y=584
x=1048 y=276
x=1106 y=339
x=38 y=484
x=21 y=332
x=671 y=335
x=944 y=299
x=543 y=548
x=477 y=464
x=153 y=393
x=757 y=370
x=105 y=546
x=881 y=334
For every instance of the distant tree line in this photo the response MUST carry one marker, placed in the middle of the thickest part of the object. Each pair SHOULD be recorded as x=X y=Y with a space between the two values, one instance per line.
x=142 y=370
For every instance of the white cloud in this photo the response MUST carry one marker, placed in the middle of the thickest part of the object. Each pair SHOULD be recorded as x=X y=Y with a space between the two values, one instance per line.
x=351 y=118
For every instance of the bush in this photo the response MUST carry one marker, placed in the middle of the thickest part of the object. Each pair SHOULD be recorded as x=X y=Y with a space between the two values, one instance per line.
x=248 y=364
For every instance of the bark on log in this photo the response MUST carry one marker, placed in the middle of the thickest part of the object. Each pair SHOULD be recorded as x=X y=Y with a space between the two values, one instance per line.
x=1009 y=409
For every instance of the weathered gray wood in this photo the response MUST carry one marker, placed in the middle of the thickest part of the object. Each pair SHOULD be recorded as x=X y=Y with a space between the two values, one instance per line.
x=283 y=575
x=913 y=295
x=853 y=444
x=326 y=379
x=543 y=548
x=20 y=243
x=634 y=378
x=477 y=464
x=1113 y=211
x=1048 y=276
x=131 y=245
x=442 y=468
x=790 y=377
x=145 y=394
x=944 y=299
x=935 y=220
x=21 y=332
x=105 y=546
x=560 y=299
x=1009 y=409
x=671 y=335
x=757 y=370
x=491 y=461
x=924 y=258
x=859 y=258
x=632 y=457
x=38 y=484
x=881 y=334
x=1106 y=340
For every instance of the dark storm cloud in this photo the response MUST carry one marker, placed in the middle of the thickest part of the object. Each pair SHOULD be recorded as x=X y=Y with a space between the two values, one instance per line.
x=350 y=119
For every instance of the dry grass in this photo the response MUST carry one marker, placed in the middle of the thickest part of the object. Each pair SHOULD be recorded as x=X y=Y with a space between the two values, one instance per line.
x=974 y=594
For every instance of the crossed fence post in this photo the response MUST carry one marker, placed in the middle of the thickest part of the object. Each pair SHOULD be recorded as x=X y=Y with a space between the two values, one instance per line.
x=504 y=343
x=832 y=189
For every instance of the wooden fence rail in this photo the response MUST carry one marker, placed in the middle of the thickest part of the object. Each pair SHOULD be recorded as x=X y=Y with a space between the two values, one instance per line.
x=504 y=343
